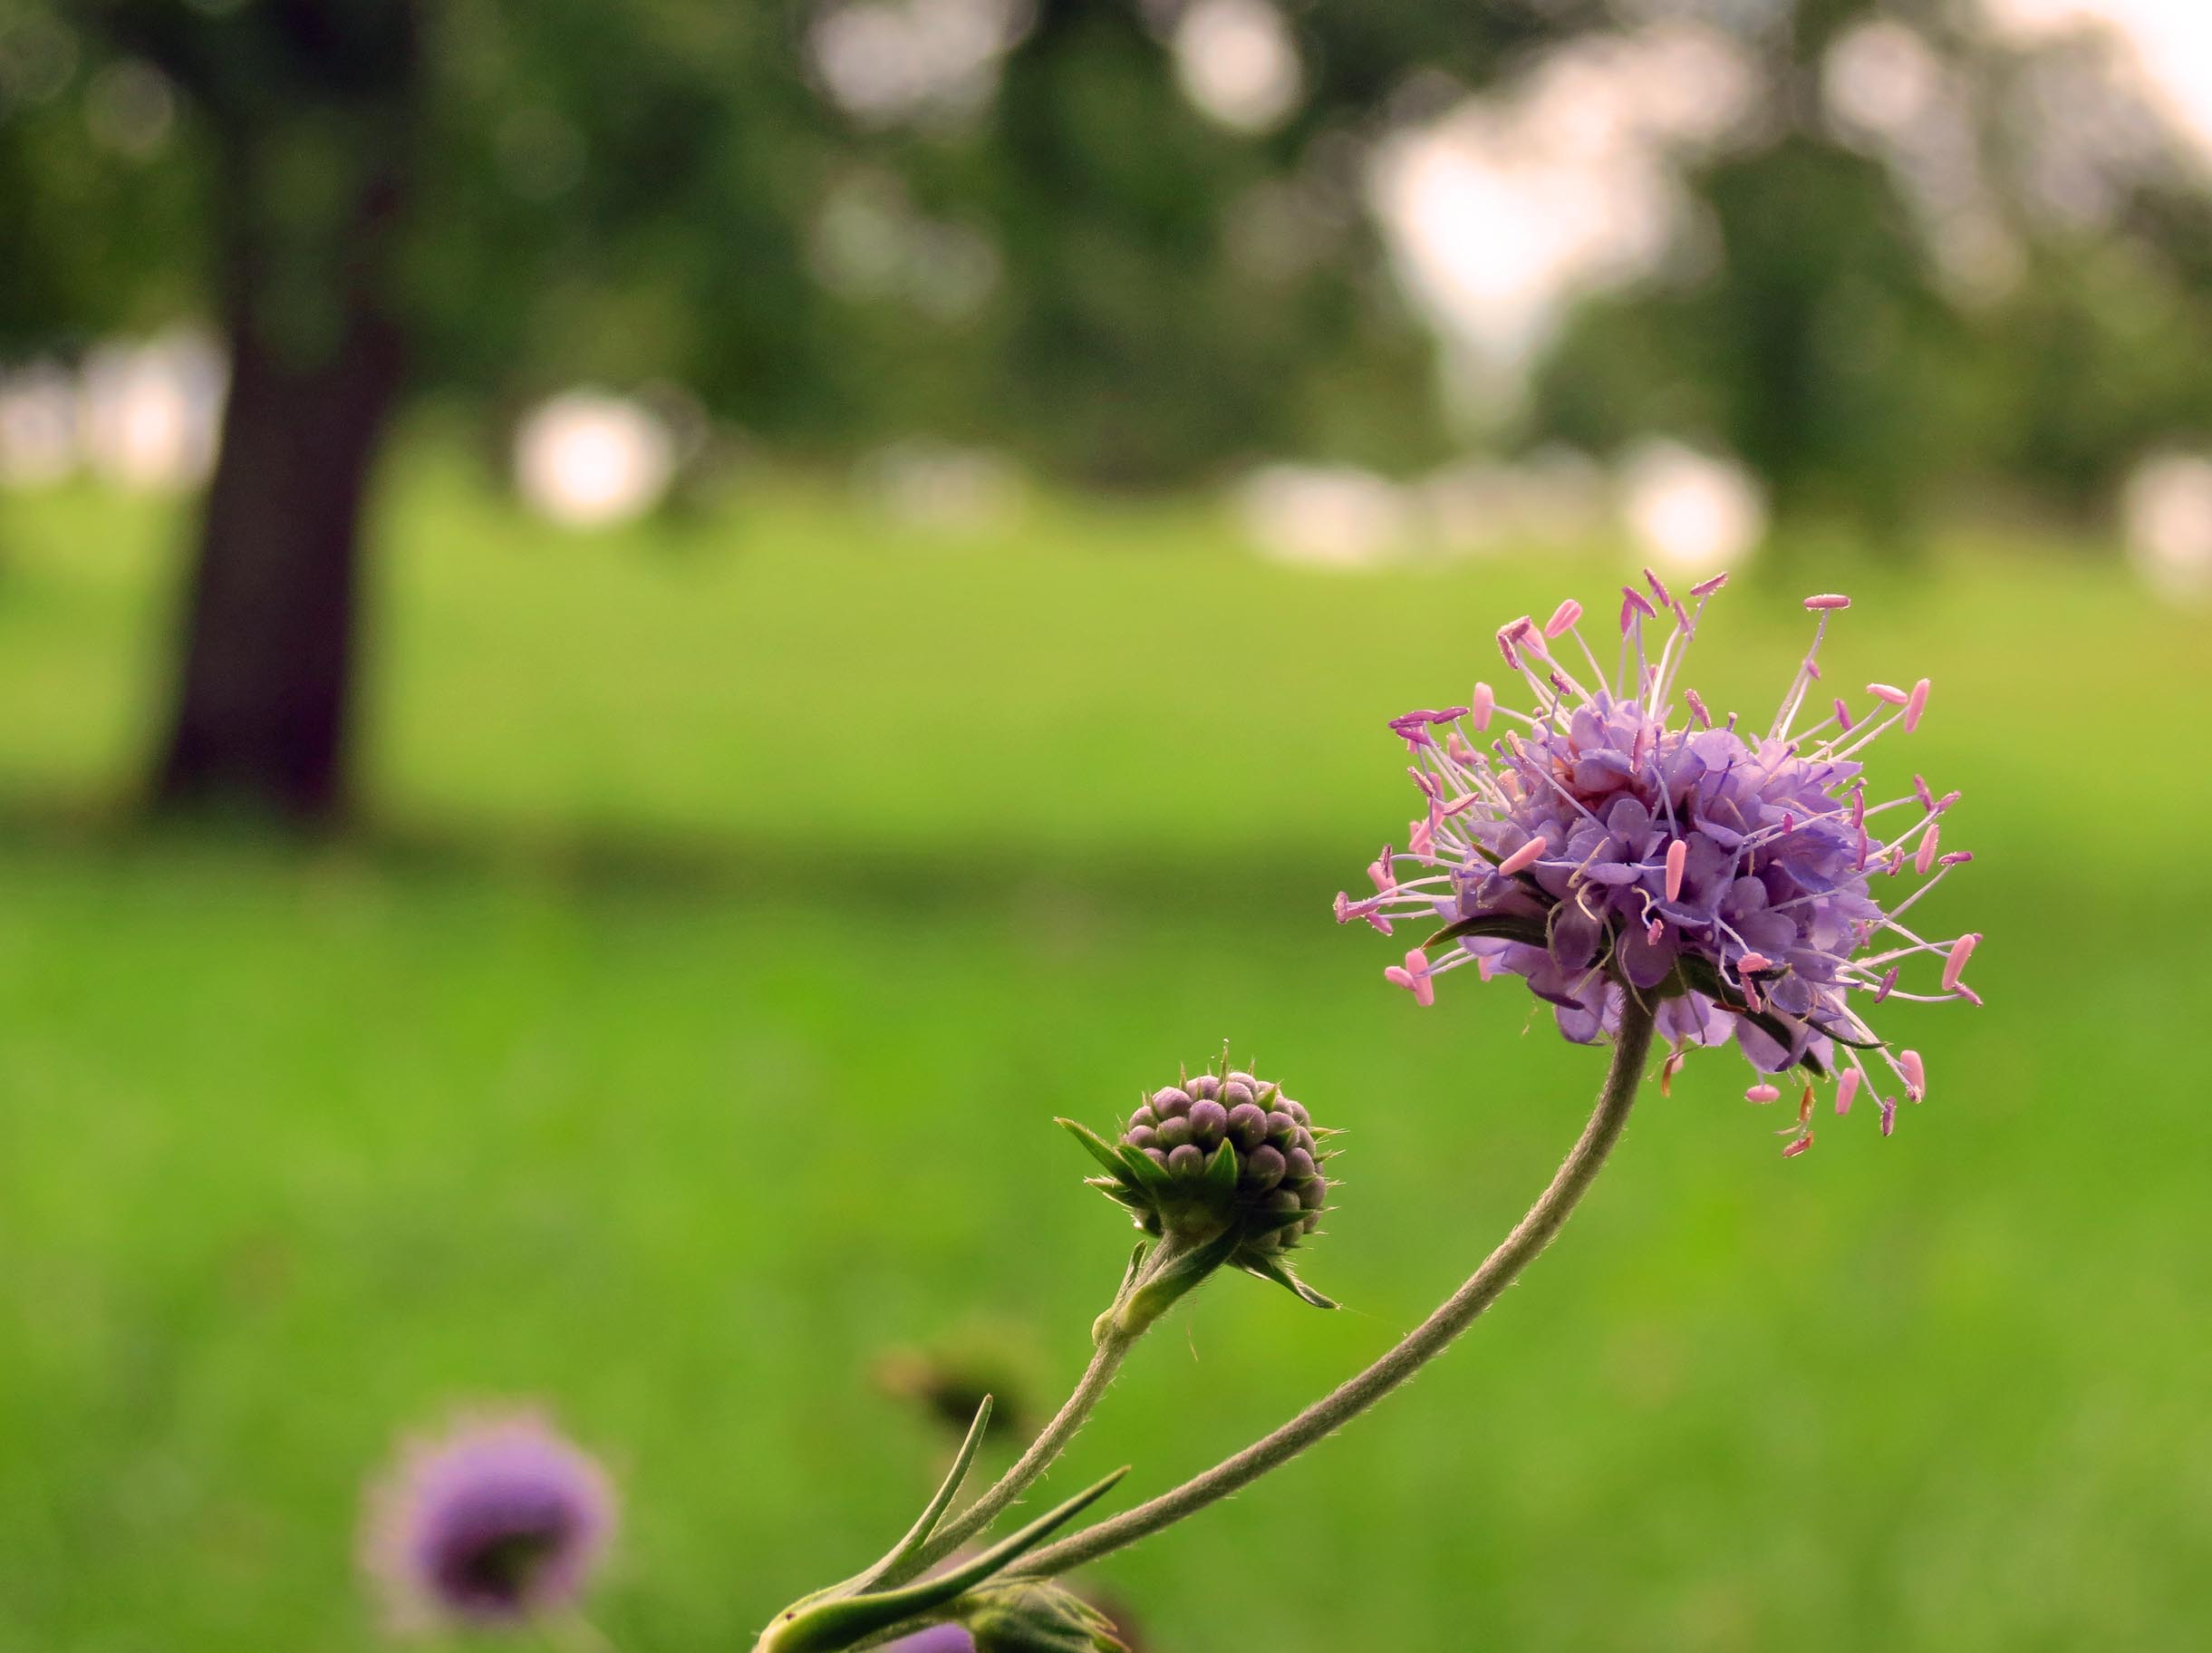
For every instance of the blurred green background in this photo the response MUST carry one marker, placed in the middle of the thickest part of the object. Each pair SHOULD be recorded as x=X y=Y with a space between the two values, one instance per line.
x=645 y=984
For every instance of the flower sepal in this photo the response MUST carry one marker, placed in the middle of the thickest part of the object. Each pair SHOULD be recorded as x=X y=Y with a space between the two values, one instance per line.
x=1034 y=1616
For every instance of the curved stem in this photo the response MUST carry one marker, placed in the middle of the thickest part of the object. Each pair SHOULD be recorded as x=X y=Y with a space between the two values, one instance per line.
x=1416 y=1350
x=1113 y=1347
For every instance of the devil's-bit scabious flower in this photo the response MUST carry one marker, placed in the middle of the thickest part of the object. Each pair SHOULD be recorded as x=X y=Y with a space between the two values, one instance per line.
x=1619 y=839
x=499 y=1521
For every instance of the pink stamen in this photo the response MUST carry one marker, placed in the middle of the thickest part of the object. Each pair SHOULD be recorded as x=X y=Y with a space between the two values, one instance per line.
x=1926 y=858
x=1889 y=1114
x=1916 y=1073
x=1961 y=950
x=1678 y=859
x=1347 y=909
x=1506 y=645
x=1957 y=857
x=1658 y=589
x=1522 y=859
x=1420 y=838
x=1761 y=1094
x=1829 y=599
x=1415 y=976
x=1887 y=982
x=1752 y=962
x=1636 y=600
x=1888 y=691
x=1798 y=1146
x=1654 y=930
x=1485 y=701
x=1699 y=707
x=1705 y=588
x=1915 y=704
x=1843 y=716
x=1845 y=1088
x=1563 y=616
x=1379 y=870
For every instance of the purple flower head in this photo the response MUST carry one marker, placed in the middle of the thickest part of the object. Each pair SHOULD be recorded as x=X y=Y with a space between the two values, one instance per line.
x=499 y=1521
x=1611 y=842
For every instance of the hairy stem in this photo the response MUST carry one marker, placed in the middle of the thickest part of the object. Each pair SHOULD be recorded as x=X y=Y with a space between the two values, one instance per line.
x=1112 y=1346
x=1416 y=1350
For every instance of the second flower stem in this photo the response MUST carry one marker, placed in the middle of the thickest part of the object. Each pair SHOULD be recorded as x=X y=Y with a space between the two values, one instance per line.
x=1631 y=1047
x=1112 y=1346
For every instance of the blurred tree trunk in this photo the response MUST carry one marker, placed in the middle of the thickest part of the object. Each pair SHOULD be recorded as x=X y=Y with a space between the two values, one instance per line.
x=265 y=696
x=311 y=106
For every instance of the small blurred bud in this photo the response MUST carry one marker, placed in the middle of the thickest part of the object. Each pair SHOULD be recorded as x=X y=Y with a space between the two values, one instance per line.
x=1036 y=1616
x=949 y=1378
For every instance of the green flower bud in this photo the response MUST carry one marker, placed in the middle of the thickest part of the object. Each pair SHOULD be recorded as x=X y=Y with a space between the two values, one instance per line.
x=1034 y=1616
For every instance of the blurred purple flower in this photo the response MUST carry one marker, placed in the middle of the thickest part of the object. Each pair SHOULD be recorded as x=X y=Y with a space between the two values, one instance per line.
x=1599 y=851
x=499 y=1521
x=937 y=1638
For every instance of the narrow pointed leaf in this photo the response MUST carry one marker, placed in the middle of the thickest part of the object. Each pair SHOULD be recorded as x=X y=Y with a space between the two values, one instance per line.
x=1118 y=1189
x=827 y=1626
x=1150 y=1301
x=1096 y=1145
x=1136 y=1261
x=934 y=1512
x=1147 y=1174
x=1496 y=925
x=1267 y=1268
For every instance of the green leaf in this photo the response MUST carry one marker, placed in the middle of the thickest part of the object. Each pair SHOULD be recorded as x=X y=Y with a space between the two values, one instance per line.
x=934 y=1512
x=1150 y=1301
x=1267 y=1268
x=1096 y=1145
x=825 y=1626
x=1148 y=1176
x=1845 y=1039
x=1496 y=925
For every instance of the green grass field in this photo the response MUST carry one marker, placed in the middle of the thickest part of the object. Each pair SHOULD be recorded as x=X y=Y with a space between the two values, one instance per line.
x=741 y=899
